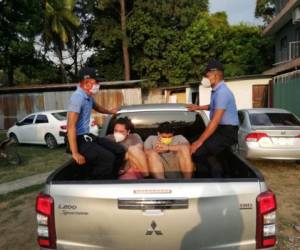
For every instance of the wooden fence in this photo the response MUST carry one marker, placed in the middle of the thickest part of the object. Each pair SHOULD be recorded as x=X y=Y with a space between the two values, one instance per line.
x=14 y=106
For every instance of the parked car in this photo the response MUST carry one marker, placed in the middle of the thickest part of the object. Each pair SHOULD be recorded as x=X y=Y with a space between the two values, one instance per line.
x=94 y=129
x=43 y=128
x=269 y=133
x=231 y=211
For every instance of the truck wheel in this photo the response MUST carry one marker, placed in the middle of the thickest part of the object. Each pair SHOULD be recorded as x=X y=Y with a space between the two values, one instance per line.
x=50 y=141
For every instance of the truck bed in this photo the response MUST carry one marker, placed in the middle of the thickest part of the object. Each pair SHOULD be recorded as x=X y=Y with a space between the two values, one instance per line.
x=232 y=167
x=201 y=213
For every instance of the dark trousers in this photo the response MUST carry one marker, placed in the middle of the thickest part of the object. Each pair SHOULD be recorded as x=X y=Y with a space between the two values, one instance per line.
x=103 y=157
x=205 y=157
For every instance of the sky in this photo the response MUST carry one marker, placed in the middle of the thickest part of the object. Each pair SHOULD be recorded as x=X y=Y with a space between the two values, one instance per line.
x=237 y=10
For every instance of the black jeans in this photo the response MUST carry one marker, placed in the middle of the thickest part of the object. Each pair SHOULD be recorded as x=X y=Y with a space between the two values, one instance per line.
x=103 y=157
x=205 y=156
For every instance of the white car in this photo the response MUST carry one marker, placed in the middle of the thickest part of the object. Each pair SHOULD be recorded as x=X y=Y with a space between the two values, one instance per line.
x=43 y=128
x=269 y=133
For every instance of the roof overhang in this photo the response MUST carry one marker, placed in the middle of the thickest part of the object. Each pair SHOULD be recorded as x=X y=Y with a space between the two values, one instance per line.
x=284 y=67
x=69 y=87
x=282 y=18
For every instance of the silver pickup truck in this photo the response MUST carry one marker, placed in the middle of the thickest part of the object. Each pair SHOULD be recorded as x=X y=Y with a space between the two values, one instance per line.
x=234 y=211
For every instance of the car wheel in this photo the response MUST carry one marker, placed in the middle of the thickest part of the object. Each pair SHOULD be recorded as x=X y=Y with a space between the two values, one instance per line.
x=50 y=141
x=13 y=137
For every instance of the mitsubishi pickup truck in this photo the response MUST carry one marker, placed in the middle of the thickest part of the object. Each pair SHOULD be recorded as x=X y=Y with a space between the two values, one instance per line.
x=230 y=211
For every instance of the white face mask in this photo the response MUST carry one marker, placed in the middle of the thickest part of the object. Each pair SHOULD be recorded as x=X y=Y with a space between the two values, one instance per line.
x=119 y=137
x=205 y=82
x=95 y=88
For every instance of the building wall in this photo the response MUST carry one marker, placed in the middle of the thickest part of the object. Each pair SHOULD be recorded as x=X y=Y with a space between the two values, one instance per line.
x=154 y=95
x=290 y=32
x=242 y=90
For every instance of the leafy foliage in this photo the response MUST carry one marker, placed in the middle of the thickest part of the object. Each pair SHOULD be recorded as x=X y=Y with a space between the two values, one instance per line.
x=169 y=42
x=59 y=21
x=19 y=23
x=59 y=26
x=265 y=9
x=246 y=52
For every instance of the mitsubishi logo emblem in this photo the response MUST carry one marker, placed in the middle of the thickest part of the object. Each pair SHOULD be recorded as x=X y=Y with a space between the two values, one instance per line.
x=153 y=229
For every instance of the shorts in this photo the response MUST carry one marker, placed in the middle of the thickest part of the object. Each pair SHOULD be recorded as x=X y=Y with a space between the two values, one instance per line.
x=171 y=166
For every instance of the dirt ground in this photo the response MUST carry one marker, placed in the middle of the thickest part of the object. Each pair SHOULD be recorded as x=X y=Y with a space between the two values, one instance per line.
x=283 y=178
x=18 y=227
x=17 y=223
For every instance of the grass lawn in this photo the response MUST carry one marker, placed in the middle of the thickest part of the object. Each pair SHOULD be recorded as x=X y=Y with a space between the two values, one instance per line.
x=36 y=159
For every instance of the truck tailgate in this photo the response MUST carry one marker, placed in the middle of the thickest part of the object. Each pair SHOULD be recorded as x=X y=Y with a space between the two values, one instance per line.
x=190 y=215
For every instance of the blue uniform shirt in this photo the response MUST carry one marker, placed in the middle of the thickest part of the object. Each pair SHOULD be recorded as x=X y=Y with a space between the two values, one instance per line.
x=222 y=98
x=81 y=103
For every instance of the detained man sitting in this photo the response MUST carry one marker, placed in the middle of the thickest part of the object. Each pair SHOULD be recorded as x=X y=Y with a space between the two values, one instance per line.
x=168 y=154
x=136 y=166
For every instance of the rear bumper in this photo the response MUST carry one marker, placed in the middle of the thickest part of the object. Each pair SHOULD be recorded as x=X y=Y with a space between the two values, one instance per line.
x=256 y=152
x=60 y=140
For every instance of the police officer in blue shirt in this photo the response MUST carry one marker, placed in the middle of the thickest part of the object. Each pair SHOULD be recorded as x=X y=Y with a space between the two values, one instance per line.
x=222 y=130
x=99 y=157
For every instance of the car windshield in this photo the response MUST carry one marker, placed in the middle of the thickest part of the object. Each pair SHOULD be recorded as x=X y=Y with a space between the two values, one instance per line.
x=61 y=116
x=274 y=119
x=189 y=124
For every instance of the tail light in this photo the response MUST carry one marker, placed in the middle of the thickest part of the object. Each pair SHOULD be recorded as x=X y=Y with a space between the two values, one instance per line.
x=45 y=221
x=64 y=127
x=254 y=137
x=298 y=136
x=266 y=218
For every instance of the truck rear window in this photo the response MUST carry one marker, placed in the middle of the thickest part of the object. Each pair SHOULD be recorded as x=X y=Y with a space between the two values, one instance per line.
x=188 y=124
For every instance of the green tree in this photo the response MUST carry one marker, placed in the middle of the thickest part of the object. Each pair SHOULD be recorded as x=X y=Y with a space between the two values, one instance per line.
x=201 y=41
x=59 y=26
x=246 y=52
x=241 y=48
x=151 y=28
x=110 y=36
x=19 y=23
x=156 y=30
x=265 y=9
x=171 y=42
x=80 y=39
x=40 y=71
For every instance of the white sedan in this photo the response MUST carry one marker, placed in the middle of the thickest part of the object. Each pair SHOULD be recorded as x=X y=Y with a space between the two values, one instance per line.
x=43 y=128
x=269 y=133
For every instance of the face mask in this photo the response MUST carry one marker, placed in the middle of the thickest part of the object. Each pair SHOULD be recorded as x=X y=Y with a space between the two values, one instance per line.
x=205 y=82
x=95 y=88
x=90 y=86
x=166 y=140
x=119 y=137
